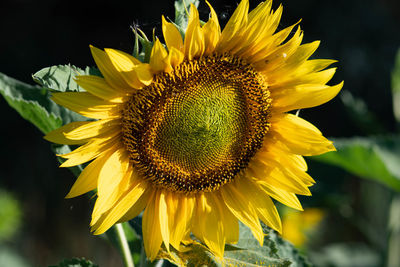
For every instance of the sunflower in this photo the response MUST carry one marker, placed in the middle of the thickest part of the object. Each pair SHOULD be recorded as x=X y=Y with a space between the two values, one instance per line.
x=201 y=136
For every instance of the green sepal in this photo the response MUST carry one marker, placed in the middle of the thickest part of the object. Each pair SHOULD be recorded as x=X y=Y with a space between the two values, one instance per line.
x=182 y=8
x=142 y=53
x=143 y=46
x=376 y=158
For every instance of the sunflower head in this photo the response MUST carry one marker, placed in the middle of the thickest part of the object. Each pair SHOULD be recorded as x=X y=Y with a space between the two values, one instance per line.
x=201 y=124
x=200 y=136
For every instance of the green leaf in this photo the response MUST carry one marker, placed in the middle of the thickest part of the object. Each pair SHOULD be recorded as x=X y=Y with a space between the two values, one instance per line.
x=33 y=104
x=376 y=158
x=182 y=8
x=247 y=252
x=61 y=78
x=396 y=87
x=75 y=262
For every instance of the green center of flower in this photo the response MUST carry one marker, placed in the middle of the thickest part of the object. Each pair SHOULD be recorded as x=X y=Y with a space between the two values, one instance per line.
x=202 y=127
x=195 y=128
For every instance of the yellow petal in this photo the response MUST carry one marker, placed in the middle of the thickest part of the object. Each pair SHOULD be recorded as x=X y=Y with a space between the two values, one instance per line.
x=163 y=217
x=91 y=150
x=279 y=150
x=172 y=36
x=107 y=68
x=183 y=211
x=107 y=200
x=287 y=198
x=241 y=207
x=291 y=165
x=281 y=178
x=87 y=180
x=151 y=228
x=138 y=207
x=86 y=104
x=304 y=96
x=276 y=177
x=296 y=79
x=300 y=136
x=273 y=59
x=293 y=59
x=235 y=25
x=173 y=201
x=211 y=31
x=123 y=205
x=58 y=135
x=99 y=87
x=208 y=225
x=127 y=66
x=112 y=172
x=175 y=57
x=194 y=37
x=158 y=57
x=91 y=129
x=267 y=44
x=144 y=74
x=261 y=25
x=262 y=11
x=262 y=203
x=315 y=65
x=229 y=221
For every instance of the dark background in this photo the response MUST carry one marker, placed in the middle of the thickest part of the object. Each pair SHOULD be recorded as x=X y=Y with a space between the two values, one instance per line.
x=362 y=34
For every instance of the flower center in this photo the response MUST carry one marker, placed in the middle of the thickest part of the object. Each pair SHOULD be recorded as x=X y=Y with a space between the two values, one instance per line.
x=195 y=128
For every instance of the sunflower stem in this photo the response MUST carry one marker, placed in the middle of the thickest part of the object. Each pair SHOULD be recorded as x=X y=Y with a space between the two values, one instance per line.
x=126 y=252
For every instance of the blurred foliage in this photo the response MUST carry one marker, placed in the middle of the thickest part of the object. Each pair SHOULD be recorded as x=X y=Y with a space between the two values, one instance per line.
x=75 y=262
x=299 y=226
x=375 y=158
x=396 y=87
x=360 y=115
x=10 y=216
x=346 y=255
x=10 y=222
x=10 y=257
